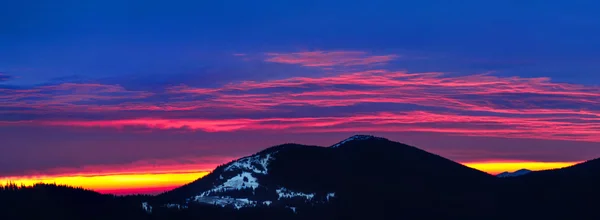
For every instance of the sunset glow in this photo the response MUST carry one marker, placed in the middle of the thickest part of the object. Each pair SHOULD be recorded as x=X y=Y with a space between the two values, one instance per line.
x=508 y=166
x=153 y=183
x=146 y=104
x=116 y=183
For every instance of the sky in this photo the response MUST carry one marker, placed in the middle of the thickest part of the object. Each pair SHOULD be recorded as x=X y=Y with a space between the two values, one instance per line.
x=143 y=96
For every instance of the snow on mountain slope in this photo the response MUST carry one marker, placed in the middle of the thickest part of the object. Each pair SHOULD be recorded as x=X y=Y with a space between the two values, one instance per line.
x=356 y=138
x=224 y=201
x=256 y=164
x=239 y=175
x=246 y=183
x=300 y=176
x=246 y=170
x=330 y=196
x=175 y=206
x=286 y=193
x=147 y=207
x=244 y=180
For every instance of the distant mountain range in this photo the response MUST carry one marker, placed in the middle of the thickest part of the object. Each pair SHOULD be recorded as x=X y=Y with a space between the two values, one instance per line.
x=520 y=172
x=362 y=177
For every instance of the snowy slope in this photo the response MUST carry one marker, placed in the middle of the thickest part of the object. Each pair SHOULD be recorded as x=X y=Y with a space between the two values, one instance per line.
x=246 y=183
x=356 y=138
x=299 y=177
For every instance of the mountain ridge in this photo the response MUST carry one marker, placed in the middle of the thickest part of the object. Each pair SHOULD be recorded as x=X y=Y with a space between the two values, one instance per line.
x=520 y=172
x=299 y=176
x=362 y=177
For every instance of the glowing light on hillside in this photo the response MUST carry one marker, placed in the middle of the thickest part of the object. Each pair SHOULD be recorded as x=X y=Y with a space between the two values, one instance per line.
x=153 y=183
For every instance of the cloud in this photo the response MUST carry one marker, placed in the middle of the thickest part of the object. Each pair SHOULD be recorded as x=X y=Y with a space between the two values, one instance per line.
x=552 y=128
x=483 y=93
x=329 y=58
x=4 y=77
x=67 y=96
x=482 y=104
x=146 y=166
x=376 y=100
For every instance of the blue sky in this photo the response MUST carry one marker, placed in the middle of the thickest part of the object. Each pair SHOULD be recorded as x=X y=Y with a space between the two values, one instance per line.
x=46 y=40
x=519 y=78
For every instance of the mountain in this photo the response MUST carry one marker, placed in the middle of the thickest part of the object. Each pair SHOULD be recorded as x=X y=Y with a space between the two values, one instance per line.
x=566 y=193
x=360 y=176
x=520 y=172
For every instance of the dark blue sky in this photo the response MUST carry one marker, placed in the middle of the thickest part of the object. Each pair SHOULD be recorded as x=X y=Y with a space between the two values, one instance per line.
x=471 y=80
x=42 y=40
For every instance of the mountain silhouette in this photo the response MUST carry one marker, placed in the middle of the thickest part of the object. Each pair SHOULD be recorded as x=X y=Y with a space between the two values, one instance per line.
x=49 y=201
x=362 y=177
x=520 y=172
x=566 y=193
x=361 y=168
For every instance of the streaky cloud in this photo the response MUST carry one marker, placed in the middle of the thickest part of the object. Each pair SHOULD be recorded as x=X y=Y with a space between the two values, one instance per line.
x=551 y=128
x=4 y=77
x=468 y=105
x=329 y=58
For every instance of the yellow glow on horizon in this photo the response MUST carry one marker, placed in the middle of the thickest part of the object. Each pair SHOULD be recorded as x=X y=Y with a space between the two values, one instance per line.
x=493 y=167
x=127 y=183
x=122 y=182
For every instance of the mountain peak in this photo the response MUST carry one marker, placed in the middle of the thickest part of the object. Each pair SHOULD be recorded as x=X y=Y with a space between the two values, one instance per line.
x=520 y=172
x=358 y=137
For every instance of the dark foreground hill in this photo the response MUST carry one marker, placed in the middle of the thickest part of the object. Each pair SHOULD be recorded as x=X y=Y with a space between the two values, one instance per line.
x=568 y=193
x=363 y=177
x=48 y=201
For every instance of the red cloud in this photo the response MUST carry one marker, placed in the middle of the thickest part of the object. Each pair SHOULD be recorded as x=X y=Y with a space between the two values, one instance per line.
x=521 y=105
x=475 y=105
x=329 y=58
x=148 y=166
x=469 y=93
x=551 y=127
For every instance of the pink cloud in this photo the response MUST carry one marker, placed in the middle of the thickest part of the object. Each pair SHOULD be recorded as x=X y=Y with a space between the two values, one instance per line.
x=146 y=166
x=65 y=96
x=551 y=127
x=471 y=94
x=424 y=89
x=468 y=105
x=329 y=58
